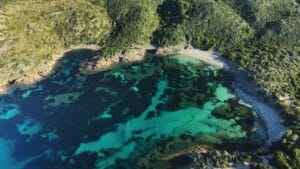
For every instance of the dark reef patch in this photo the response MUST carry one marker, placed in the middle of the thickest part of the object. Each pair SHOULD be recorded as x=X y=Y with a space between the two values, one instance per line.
x=73 y=120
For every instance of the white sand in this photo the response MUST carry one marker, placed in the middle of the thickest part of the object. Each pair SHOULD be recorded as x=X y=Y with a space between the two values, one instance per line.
x=210 y=57
x=206 y=56
x=270 y=117
x=138 y=55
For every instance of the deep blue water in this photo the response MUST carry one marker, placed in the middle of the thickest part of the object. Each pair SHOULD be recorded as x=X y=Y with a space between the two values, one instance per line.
x=72 y=120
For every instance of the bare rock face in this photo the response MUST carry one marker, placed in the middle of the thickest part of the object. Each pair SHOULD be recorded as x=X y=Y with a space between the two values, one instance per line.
x=3 y=90
x=169 y=50
x=106 y=63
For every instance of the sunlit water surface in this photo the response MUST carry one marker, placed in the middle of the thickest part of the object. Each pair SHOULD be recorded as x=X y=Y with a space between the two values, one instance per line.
x=77 y=121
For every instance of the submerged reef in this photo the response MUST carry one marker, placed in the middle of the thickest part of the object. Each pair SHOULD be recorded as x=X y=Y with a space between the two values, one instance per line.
x=112 y=118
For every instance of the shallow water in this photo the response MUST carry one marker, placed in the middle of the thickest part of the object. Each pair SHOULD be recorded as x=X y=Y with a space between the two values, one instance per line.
x=72 y=120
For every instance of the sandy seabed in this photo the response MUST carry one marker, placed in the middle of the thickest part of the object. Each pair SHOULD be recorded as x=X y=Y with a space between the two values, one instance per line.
x=270 y=117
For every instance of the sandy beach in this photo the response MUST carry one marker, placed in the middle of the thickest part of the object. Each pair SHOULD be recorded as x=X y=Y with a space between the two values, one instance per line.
x=270 y=117
x=138 y=55
x=242 y=88
x=208 y=57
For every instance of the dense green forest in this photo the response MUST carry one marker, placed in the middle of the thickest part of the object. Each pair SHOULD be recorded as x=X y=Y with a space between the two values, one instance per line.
x=32 y=32
x=261 y=37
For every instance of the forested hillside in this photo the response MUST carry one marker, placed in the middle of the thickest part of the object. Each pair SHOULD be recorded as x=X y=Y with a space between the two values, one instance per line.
x=31 y=32
x=261 y=37
x=134 y=21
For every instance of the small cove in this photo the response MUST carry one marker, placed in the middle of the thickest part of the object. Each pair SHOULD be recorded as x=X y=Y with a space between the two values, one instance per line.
x=74 y=120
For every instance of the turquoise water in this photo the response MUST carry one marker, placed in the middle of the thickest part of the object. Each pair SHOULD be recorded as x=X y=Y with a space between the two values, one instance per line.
x=73 y=120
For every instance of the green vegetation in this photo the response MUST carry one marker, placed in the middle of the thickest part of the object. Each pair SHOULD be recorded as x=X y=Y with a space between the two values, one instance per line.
x=34 y=31
x=172 y=14
x=282 y=160
x=289 y=154
x=134 y=22
x=204 y=24
x=261 y=37
x=242 y=114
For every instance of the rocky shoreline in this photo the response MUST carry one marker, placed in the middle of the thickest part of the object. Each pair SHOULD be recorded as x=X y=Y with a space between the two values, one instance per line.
x=244 y=88
x=138 y=54
x=186 y=152
x=38 y=75
x=268 y=115
x=248 y=91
